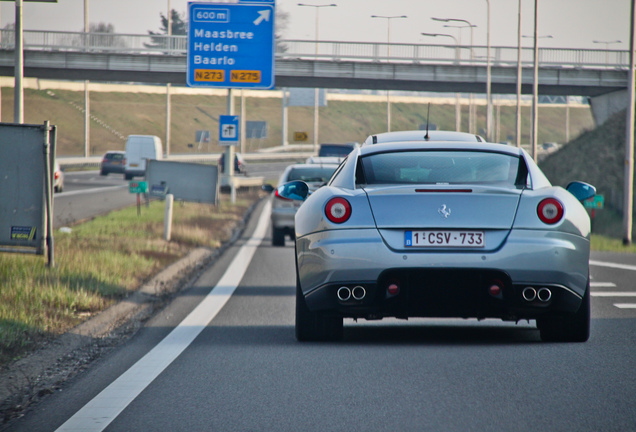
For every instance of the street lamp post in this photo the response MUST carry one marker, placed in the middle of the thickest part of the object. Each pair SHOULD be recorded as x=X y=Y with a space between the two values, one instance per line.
x=518 y=111
x=168 y=104
x=317 y=90
x=471 y=108
x=488 y=81
x=388 y=55
x=535 y=86
x=87 y=102
x=457 y=105
x=607 y=44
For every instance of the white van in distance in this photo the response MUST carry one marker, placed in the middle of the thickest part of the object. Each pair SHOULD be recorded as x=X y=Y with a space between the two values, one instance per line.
x=140 y=148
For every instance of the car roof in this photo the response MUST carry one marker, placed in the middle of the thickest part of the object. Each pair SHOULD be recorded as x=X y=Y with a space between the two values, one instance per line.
x=420 y=135
x=440 y=145
x=115 y=152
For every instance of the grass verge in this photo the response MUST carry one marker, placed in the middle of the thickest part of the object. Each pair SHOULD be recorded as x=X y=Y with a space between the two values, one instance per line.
x=98 y=263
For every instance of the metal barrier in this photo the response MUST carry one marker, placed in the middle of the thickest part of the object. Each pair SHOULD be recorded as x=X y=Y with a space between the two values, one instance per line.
x=324 y=50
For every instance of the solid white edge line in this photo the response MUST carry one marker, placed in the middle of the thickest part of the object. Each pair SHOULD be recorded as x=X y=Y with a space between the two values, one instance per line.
x=613 y=265
x=625 y=305
x=613 y=294
x=97 y=414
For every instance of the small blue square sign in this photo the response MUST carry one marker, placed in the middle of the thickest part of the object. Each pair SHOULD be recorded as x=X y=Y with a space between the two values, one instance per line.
x=228 y=129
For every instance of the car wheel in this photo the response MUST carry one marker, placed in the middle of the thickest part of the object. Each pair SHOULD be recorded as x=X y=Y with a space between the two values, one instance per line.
x=102 y=172
x=127 y=177
x=315 y=326
x=278 y=237
x=567 y=328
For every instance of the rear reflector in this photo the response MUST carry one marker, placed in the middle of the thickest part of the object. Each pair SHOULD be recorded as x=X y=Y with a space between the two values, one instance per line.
x=444 y=190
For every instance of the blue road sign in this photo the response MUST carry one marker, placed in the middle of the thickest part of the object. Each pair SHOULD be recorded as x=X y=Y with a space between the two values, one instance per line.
x=228 y=130
x=231 y=45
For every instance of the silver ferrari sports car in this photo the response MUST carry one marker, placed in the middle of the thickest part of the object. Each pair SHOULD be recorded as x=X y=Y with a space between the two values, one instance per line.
x=429 y=228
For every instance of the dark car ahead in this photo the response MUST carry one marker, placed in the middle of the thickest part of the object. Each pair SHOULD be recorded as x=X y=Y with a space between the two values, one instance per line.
x=113 y=162
x=240 y=167
x=336 y=150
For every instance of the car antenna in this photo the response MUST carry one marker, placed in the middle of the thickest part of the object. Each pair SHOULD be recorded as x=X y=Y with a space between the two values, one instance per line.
x=428 y=112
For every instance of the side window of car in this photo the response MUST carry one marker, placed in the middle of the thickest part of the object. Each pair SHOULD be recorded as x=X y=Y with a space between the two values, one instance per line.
x=360 y=177
x=523 y=176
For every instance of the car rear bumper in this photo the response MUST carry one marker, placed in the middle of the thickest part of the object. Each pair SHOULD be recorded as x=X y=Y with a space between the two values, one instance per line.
x=444 y=283
x=283 y=217
x=113 y=169
x=135 y=173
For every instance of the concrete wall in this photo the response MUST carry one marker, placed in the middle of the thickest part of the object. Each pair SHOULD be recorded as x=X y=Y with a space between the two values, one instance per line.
x=604 y=106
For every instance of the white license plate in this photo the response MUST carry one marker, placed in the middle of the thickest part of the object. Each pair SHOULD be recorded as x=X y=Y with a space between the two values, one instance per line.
x=438 y=238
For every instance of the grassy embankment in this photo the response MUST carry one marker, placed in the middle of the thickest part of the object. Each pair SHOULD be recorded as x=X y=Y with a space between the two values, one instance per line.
x=597 y=157
x=97 y=264
x=340 y=121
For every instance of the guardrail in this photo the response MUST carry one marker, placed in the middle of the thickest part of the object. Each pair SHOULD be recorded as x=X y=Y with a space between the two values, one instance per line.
x=100 y=43
x=94 y=161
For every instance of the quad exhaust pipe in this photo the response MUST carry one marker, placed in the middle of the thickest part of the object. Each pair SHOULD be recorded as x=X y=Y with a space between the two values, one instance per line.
x=344 y=293
x=357 y=293
x=542 y=294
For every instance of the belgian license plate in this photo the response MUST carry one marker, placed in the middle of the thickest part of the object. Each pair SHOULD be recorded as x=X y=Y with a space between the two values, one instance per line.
x=439 y=238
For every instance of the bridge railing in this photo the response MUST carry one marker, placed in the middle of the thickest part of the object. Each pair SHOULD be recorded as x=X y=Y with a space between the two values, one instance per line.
x=325 y=50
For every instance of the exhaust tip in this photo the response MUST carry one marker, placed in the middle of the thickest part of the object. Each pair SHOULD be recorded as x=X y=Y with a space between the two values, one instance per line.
x=344 y=293
x=529 y=294
x=544 y=294
x=358 y=292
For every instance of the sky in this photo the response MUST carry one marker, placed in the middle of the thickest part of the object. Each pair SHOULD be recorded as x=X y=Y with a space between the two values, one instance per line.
x=570 y=23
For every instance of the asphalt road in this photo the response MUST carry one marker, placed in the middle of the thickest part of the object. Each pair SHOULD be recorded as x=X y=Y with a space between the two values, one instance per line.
x=223 y=357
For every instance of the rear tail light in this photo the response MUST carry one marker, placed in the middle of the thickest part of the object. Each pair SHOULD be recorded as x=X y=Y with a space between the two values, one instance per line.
x=338 y=210
x=280 y=197
x=550 y=211
x=57 y=175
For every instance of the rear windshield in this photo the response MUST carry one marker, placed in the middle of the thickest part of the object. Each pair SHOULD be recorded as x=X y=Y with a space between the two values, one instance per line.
x=311 y=174
x=334 y=150
x=114 y=156
x=437 y=167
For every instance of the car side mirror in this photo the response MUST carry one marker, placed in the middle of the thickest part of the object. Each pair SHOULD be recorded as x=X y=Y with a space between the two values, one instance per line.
x=581 y=190
x=268 y=188
x=295 y=190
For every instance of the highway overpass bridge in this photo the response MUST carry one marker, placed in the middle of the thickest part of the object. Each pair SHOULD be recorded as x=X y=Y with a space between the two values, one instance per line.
x=598 y=74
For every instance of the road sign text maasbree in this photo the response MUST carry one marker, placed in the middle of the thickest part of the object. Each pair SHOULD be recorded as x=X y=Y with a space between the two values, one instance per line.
x=231 y=45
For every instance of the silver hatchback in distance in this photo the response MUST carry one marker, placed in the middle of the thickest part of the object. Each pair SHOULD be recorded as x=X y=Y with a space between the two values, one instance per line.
x=457 y=229
x=284 y=209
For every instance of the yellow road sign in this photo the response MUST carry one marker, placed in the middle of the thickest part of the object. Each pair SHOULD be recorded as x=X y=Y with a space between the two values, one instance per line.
x=301 y=136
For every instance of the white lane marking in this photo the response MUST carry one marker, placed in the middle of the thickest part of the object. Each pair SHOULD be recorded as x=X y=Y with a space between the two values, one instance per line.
x=613 y=265
x=602 y=284
x=97 y=414
x=625 y=305
x=613 y=294
x=93 y=190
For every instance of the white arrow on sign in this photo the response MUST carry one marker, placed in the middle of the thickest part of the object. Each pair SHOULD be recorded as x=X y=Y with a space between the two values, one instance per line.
x=262 y=16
